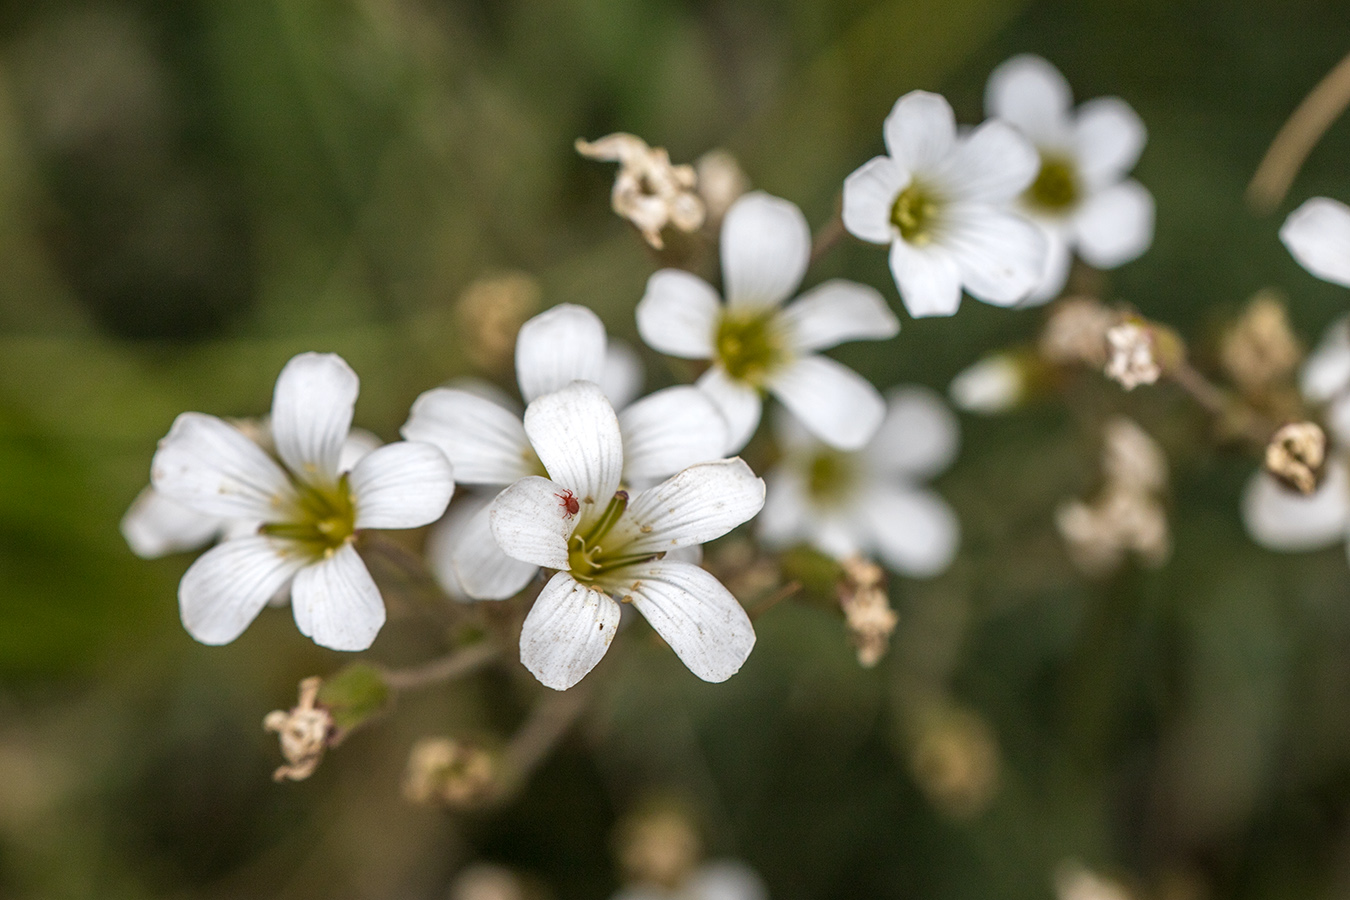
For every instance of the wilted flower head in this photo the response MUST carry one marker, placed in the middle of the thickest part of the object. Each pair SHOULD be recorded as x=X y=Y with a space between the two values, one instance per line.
x=1296 y=454
x=1260 y=348
x=448 y=772
x=649 y=191
x=306 y=731
x=867 y=609
x=1131 y=360
x=1075 y=332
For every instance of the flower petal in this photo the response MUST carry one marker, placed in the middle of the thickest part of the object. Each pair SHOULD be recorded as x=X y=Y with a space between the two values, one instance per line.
x=621 y=378
x=993 y=164
x=920 y=130
x=869 y=195
x=557 y=347
x=739 y=404
x=1282 y=519
x=669 y=430
x=678 y=314
x=531 y=523
x=786 y=515
x=1318 y=235
x=916 y=532
x=359 y=444
x=576 y=435
x=766 y=245
x=698 y=617
x=838 y=311
x=567 y=632
x=928 y=279
x=156 y=526
x=1115 y=225
x=1000 y=254
x=446 y=535
x=918 y=438
x=840 y=407
x=406 y=484
x=228 y=585
x=726 y=879
x=1108 y=137
x=336 y=603
x=1058 y=261
x=209 y=466
x=1031 y=93
x=699 y=504
x=312 y=413
x=476 y=562
x=485 y=443
x=1326 y=372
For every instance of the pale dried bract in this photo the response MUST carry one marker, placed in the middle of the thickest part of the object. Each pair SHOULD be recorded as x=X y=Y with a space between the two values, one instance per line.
x=306 y=731
x=649 y=190
x=1131 y=361
x=1297 y=454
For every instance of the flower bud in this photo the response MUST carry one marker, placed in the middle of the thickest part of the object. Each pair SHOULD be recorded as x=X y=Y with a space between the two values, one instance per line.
x=1297 y=454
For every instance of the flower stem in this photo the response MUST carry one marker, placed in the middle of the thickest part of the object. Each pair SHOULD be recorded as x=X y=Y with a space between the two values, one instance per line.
x=828 y=237
x=547 y=723
x=456 y=664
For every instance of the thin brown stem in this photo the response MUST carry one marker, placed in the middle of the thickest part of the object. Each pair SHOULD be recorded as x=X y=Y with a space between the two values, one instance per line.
x=453 y=665
x=550 y=719
x=1304 y=128
x=775 y=598
x=828 y=237
x=1234 y=415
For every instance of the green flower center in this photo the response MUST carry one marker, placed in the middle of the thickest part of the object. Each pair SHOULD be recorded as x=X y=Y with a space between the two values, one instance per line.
x=830 y=477
x=587 y=556
x=749 y=346
x=915 y=212
x=324 y=519
x=1056 y=186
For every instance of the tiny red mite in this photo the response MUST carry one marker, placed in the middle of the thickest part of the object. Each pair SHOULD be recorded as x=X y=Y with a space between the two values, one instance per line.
x=568 y=501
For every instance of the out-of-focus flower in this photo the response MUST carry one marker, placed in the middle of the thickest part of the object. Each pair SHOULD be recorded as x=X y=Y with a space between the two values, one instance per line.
x=992 y=385
x=723 y=879
x=484 y=881
x=306 y=731
x=756 y=343
x=1131 y=360
x=1075 y=332
x=309 y=507
x=649 y=191
x=660 y=854
x=607 y=549
x=1318 y=235
x=1081 y=196
x=450 y=773
x=871 y=501
x=721 y=182
x=938 y=199
x=490 y=311
x=867 y=609
x=1074 y=882
x=955 y=760
x=1260 y=348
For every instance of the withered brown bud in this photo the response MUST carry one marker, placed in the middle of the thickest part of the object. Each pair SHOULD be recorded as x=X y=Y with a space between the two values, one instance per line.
x=306 y=731
x=867 y=609
x=1260 y=348
x=1297 y=454
x=1131 y=360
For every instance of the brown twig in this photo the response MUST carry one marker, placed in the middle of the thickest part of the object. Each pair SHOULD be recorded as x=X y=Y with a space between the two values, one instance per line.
x=453 y=665
x=1296 y=139
x=828 y=237
x=550 y=719
x=774 y=599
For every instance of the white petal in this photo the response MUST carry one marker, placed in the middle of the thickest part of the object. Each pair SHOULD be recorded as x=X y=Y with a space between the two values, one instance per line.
x=1001 y=255
x=621 y=379
x=920 y=130
x=1058 y=261
x=156 y=526
x=1108 y=138
x=1115 y=225
x=766 y=245
x=699 y=504
x=678 y=314
x=739 y=404
x=336 y=603
x=698 y=617
x=786 y=514
x=448 y=534
x=1337 y=419
x=356 y=447
x=928 y=279
x=209 y=466
x=916 y=532
x=477 y=563
x=838 y=533
x=1030 y=93
x=226 y=588
x=988 y=386
x=557 y=347
x=993 y=164
x=918 y=438
x=1318 y=234
x=726 y=879
x=669 y=430
x=869 y=195
x=531 y=522
x=839 y=311
x=567 y=632
x=406 y=484
x=1279 y=518
x=312 y=413
x=576 y=435
x=485 y=443
x=840 y=407
x=1326 y=372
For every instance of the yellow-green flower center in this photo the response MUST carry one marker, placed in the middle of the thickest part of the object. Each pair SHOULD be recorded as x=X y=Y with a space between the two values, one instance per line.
x=749 y=346
x=831 y=477
x=588 y=557
x=915 y=212
x=1056 y=186
x=322 y=520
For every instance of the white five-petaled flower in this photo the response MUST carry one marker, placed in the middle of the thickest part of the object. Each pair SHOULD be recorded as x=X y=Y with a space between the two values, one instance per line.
x=309 y=509
x=1080 y=197
x=486 y=442
x=870 y=502
x=756 y=343
x=1318 y=235
x=939 y=199
x=608 y=547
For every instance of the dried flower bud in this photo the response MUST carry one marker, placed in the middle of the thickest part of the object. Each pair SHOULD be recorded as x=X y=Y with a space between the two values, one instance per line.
x=867 y=609
x=1297 y=454
x=1074 y=882
x=658 y=846
x=648 y=190
x=1131 y=360
x=1260 y=348
x=1131 y=459
x=490 y=313
x=1075 y=333
x=306 y=731
x=449 y=772
x=720 y=182
x=956 y=763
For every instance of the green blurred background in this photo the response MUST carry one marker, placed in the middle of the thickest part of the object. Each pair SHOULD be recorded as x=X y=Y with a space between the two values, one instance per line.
x=192 y=191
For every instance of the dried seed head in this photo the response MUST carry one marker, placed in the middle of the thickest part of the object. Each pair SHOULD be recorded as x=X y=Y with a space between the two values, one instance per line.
x=1131 y=360
x=1297 y=454
x=450 y=773
x=306 y=731
x=649 y=190
x=867 y=610
x=1075 y=333
x=1260 y=348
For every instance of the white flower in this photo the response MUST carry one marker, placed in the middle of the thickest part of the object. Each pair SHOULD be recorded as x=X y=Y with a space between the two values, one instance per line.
x=725 y=879
x=486 y=442
x=1080 y=196
x=755 y=343
x=1318 y=235
x=310 y=509
x=870 y=502
x=608 y=547
x=939 y=200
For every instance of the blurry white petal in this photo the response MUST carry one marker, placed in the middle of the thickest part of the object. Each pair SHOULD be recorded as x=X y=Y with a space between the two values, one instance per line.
x=485 y=443
x=209 y=466
x=920 y=130
x=336 y=603
x=621 y=379
x=838 y=311
x=1058 y=261
x=1318 y=235
x=359 y=442
x=1001 y=255
x=1279 y=518
x=1326 y=372
x=156 y=526
x=576 y=435
x=739 y=404
x=993 y=164
x=784 y=519
x=678 y=314
x=1108 y=137
x=1115 y=226
x=1337 y=416
x=991 y=385
x=1030 y=93
x=869 y=196
x=766 y=245
x=531 y=522
x=448 y=533
x=557 y=347
x=669 y=430
x=312 y=413
x=406 y=484
x=479 y=565
x=918 y=438
x=916 y=532
x=838 y=533
x=226 y=588
x=928 y=279
x=698 y=617
x=726 y=879
x=699 y=504
x=567 y=632
x=840 y=407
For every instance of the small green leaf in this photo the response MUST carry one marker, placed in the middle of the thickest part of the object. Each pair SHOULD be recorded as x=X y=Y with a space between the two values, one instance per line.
x=354 y=695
